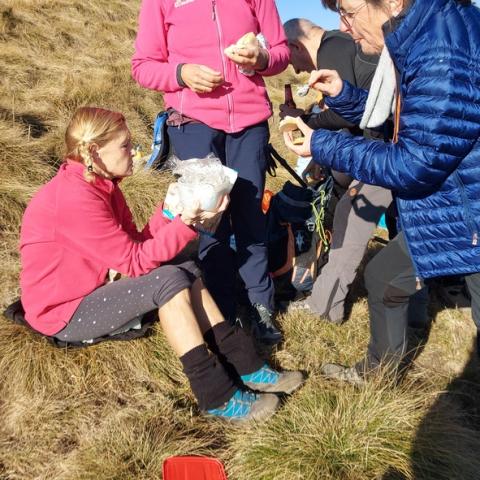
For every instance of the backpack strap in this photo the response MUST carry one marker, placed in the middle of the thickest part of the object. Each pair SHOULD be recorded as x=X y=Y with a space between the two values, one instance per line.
x=160 y=144
x=274 y=155
x=287 y=266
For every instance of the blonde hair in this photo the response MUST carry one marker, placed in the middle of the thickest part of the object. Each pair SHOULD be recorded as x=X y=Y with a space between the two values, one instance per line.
x=88 y=126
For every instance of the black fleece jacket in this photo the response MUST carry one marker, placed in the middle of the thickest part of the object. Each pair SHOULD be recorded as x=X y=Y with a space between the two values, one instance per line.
x=337 y=51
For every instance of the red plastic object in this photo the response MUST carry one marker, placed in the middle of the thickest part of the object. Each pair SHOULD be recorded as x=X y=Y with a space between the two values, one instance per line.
x=193 y=468
x=266 y=199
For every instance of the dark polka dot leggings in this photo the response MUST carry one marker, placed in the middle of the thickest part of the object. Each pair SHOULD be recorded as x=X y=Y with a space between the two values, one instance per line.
x=111 y=307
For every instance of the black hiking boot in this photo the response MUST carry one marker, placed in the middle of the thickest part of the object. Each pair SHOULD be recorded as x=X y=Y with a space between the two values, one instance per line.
x=262 y=325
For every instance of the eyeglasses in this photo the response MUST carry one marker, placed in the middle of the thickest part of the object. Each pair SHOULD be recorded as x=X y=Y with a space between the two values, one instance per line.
x=349 y=17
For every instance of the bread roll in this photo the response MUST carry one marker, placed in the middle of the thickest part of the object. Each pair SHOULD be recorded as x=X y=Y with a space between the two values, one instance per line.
x=288 y=124
x=248 y=39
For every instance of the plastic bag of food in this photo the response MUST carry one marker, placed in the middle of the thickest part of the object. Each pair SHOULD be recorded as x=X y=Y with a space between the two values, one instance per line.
x=202 y=182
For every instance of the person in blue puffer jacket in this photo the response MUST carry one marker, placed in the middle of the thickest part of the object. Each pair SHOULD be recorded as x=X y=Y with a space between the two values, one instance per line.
x=430 y=55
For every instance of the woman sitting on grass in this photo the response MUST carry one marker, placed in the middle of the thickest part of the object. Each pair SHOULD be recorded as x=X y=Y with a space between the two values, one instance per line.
x=78 y=227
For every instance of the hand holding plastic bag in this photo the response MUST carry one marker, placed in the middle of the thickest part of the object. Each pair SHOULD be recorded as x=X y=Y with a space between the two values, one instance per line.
x=202 y=180
x=200 y=195
x=208 y=221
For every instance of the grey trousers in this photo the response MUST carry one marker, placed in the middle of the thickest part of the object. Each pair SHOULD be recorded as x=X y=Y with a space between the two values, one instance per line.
x=356 y=217
x=390 y=281
x=115 y=307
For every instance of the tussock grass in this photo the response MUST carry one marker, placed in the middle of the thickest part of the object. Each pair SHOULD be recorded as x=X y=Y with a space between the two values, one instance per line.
x=134 y=444
x=327 y=432
x=330 y=433
x=117 y=410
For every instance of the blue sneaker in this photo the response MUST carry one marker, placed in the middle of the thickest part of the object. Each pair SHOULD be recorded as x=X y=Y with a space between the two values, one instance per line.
x=268 y=380
x=244 y=406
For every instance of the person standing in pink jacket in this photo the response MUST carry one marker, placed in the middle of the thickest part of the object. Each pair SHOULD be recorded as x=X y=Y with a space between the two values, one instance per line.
x=78 y=228
x=218 y=104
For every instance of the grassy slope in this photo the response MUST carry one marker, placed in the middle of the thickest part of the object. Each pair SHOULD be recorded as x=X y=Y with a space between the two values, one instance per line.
x=117 y=410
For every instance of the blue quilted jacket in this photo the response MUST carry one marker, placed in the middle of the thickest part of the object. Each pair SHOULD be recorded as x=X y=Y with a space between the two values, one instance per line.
x=434 y=169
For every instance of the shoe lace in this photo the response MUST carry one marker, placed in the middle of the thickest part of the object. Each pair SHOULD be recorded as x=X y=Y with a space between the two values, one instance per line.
x=264 y=315
x=239 y=404
x=263 y=375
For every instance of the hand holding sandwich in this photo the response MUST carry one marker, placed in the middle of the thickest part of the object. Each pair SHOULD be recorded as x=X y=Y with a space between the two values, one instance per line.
x=250 y=56
x=248 y=53
x=303 y=150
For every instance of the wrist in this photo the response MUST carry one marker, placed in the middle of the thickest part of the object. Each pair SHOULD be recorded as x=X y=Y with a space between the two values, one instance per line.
x=180 y=80
x=339 y=90
x=186 y=220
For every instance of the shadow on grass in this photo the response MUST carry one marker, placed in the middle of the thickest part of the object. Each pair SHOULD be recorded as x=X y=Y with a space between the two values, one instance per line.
x=447 y=440
x=34 y=126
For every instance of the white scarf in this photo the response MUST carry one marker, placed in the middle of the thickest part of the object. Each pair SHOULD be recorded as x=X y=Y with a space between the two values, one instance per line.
x=381 y=97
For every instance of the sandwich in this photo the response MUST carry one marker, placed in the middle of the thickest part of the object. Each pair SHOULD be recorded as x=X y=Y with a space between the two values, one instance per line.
x=288 y=124
x=248 y=39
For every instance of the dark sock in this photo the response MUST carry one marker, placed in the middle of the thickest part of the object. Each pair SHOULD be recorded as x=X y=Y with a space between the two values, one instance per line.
x=208 y=378
x=234 y=348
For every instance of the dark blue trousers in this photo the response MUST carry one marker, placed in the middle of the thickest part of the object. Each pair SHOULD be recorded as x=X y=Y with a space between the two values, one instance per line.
x=244 y=152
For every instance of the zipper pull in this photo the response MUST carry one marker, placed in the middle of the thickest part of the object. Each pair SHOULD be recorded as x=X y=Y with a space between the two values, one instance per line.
x=418 y=285
x=475 y=239
x=213 y=9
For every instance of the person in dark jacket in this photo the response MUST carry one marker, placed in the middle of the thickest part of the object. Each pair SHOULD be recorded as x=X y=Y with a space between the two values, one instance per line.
x=312 y=47
x=360 y=206
x=429 y=55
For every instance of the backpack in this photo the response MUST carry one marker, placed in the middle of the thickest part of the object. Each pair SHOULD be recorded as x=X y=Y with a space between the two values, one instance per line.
x=160 y=144
x=298 y=235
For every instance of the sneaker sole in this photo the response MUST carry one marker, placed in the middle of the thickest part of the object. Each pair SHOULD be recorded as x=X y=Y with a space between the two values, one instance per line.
x=264 y=408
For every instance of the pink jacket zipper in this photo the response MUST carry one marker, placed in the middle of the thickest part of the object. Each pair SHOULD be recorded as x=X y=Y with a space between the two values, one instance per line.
x=222 y=54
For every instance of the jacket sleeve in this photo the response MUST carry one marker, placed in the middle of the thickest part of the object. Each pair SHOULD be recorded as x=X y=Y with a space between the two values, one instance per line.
x=433 y=138
x=328 y=58
x=272 y=29
x=93 y=232
x=349 y=103
x=327 y=119
x=150 y=65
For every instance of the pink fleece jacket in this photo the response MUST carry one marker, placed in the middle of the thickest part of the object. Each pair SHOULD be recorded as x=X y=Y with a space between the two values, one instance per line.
x=73 y=232
x=197 y=31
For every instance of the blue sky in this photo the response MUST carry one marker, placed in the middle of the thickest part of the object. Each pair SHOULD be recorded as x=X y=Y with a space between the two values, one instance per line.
x=311 y=9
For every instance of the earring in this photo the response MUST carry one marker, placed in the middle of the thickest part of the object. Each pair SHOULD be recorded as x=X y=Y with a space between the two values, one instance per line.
x=90 y=168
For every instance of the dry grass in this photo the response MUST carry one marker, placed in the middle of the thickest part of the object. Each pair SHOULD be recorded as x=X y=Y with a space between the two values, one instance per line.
x=116 y=411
